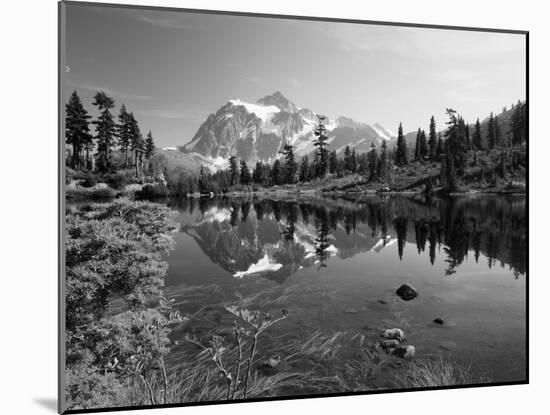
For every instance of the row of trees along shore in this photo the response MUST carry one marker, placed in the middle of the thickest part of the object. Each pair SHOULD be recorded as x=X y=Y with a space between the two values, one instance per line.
x=95 y=151
x=118 y=145
x=450 y=149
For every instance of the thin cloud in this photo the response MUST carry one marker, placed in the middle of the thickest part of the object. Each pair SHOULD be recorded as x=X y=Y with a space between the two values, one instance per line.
x=295 y=83
x=109 y=91
x=172 y=115
x=253 y=79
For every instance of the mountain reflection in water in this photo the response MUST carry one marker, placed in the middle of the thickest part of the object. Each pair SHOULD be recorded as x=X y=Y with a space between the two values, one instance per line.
x=276 y=238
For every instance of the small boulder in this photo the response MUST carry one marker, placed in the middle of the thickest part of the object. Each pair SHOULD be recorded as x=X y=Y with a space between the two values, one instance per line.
x=406 y=292
x=404 y=352
x=393 y=334
x=438 y=321
x=447 y=345
x=389 y=344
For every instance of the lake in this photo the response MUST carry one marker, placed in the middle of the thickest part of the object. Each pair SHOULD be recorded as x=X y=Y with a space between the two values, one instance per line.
x=335 y=264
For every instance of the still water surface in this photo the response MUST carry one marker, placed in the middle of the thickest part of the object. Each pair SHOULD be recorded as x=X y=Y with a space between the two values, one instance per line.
x=335 y=266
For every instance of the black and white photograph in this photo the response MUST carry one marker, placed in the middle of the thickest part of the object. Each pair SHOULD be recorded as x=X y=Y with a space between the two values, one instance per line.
x=260 y=207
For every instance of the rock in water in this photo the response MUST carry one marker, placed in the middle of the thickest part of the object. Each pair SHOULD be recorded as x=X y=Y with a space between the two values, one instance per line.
x=405 y=352
x=384 y=302
x=389 y=344
x=438 y=321
x=350 y=311
x=406 y=292
x=394 y=334
x=447 y=345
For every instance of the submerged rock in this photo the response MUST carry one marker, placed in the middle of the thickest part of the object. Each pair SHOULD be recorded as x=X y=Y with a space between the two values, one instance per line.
x=406 y=292
x=384 y=302
x=394 y=334
x=404 y=352
x=438 y=321
x=389 y=344
x=447 y=345
x=350 y=311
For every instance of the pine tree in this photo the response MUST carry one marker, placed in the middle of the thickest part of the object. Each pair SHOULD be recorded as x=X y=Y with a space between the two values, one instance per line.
x=384 y=162
x=476 y=139
x=124 y=133
x=233 y=171
x=440 y=145
x=276 y=173
x=321 y=147
x=373 y=162
x=363 y=163
x=105 y=130
x=290 y=167
x=77 y=130
x=496 y=128
x=347 y=160
x=432 y=141
x=245 y=173
x=137 y=144
x=149 y=146
x=417 y=153
x=455 y=148
x=401 y=156
x=491 y=138
x=423 y=146
x=467 y=137
x=257 y=176
x=149 y=151
x=353 y=162
x=332 y=162
x=518 y=124
x=305 y=169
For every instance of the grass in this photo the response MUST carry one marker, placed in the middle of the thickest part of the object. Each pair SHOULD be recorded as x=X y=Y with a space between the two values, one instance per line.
x=437 y=373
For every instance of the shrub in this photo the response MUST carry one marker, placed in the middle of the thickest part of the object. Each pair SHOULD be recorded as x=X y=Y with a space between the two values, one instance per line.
x=103 y=193
x=88 y=180
x=118 y=180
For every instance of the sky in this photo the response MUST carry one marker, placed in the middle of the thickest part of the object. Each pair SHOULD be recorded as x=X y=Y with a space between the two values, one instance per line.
x=172 y=69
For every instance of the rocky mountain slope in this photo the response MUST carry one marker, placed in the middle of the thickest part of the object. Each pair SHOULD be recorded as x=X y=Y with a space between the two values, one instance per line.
x=258 y=131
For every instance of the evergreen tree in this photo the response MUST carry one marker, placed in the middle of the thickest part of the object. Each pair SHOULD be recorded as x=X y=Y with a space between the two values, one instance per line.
x=518 y=124
x=332 y=162
x=401 y=156
x=423 y=146
x=491 y=137
x=353 y=162
x=496 y=127
x=373 y=162
x=432 y=141
x=384 y=162
x=476 y=139
x=137 y=144
x=291 y=167
x=149 y=146
x=363 y=163
x=203 y=181
x=257 y=176
x=455 y=148
x=305 y=170
x=417 y=152
x=233 y=171
x=276 y=173
x=348 y=162
x=321 y=147
x=105 y=130
x=467 y=137
x=245 y=173
x=124 y=133
x=77 y=130
x=440 y=145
